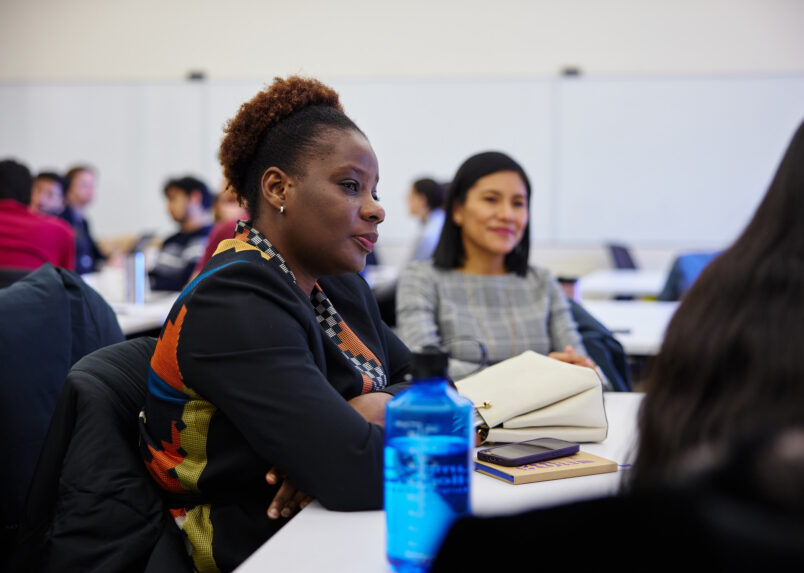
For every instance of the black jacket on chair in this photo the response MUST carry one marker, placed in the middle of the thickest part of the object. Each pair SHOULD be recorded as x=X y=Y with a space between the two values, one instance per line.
x=603 y=348
x=49 y=320
x=92 y=505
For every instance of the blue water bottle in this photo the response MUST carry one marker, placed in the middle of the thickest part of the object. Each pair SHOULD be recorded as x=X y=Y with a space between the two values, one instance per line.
x=428 y=445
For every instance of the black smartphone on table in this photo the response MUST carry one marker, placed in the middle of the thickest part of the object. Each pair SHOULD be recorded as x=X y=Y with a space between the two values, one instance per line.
x=528 y=452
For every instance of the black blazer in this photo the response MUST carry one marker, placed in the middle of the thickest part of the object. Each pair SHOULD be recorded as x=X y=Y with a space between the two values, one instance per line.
x=242 y=345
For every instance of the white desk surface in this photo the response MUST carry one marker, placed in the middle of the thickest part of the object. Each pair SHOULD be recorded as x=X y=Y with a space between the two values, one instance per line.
x=318 y=540
x=132 y=318
x=639 y=325
x=606 y=283
x=380 y=276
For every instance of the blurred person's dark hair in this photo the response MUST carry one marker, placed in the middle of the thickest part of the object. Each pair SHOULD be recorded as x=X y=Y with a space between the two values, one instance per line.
x=188 y=184
x=15 y=181
x=51 y=176
x=432 y=191
x=72 y=172
x=729 y=367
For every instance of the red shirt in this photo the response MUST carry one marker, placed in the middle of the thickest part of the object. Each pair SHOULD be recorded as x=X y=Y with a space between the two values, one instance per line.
x=220 y=232
x=28 y=240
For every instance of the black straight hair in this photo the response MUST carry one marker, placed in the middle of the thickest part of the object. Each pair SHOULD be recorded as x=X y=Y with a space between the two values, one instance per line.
x=449 y=253
x=432 y=191
x=729 y=367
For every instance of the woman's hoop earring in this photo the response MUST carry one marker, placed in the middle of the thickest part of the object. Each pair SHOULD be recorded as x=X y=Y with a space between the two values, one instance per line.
x=281 y=209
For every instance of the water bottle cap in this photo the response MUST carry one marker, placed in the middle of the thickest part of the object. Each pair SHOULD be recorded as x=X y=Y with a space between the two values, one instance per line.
x=429 y=362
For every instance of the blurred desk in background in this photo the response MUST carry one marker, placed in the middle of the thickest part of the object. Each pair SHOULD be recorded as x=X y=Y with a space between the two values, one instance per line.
x=134 y=319
x=639 y=325
x=608 y=283
x=381 y=277
x=137 y=319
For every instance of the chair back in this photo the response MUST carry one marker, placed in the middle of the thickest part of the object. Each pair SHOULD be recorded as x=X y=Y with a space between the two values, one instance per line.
x=49 y=320
x=683 y=273
x=601 y=346
x=621 y=256
x=92 y=504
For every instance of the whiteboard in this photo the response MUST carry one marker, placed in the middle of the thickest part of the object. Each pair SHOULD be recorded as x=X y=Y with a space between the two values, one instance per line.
x=668 y=161
x=673 y=162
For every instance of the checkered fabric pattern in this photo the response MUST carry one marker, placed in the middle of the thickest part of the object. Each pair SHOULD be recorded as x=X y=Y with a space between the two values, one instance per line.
x=352 y=348
x=357 y=353
x=252 y=236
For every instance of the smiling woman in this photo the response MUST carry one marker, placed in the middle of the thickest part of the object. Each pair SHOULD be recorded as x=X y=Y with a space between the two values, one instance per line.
x=274 y=360
x=479 y=285
x=492 y=220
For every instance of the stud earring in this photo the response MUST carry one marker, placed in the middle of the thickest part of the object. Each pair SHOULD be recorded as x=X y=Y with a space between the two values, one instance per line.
x=281 y=209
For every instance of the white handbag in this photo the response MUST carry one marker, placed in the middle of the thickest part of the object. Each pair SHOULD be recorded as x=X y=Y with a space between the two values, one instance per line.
x=533 y=396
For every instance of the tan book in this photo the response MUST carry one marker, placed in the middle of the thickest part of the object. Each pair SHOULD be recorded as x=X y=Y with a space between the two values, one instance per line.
x=580 y=464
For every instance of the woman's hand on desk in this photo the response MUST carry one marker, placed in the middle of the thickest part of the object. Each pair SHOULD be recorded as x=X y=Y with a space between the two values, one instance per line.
x=288 y=499
x=371 y=406
x=570 y=356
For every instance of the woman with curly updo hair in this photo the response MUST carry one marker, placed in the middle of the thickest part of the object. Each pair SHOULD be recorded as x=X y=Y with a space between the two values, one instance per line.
x=274 y=361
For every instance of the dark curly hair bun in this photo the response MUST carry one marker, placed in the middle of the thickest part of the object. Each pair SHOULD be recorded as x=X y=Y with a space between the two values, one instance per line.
x=278 y=127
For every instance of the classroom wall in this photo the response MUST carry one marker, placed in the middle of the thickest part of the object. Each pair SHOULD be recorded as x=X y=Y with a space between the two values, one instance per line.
x=671 y=162
x=90 y=80
x=46 y=40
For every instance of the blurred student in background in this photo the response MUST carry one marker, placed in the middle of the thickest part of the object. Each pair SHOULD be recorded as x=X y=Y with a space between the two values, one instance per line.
x=47 y=195
x=226 y=206
x=80 y=190
x=228 y=212
x=28 y=240
x=426 y=202
x=188 y=202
